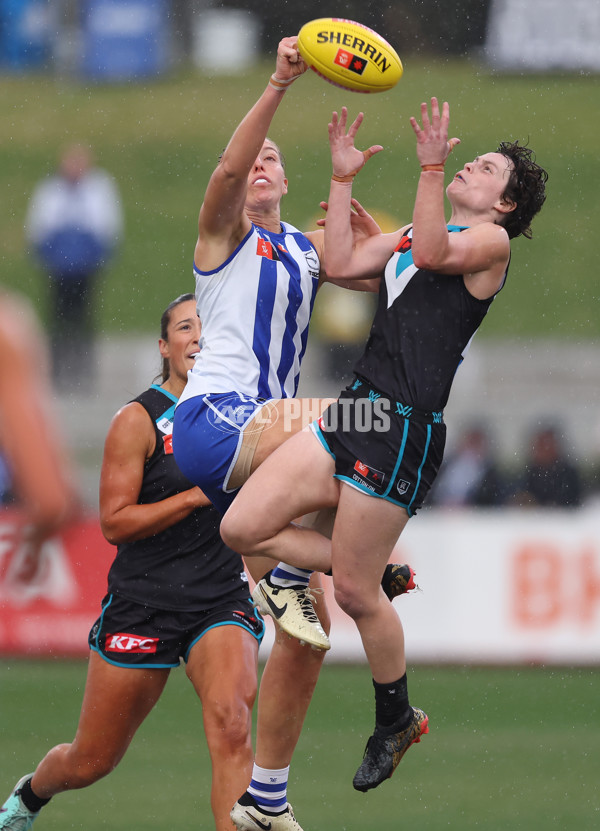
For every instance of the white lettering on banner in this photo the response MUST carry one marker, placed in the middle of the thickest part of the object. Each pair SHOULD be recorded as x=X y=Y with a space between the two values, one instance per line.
x=556 y=585
x=503 y=586
x=54 y=580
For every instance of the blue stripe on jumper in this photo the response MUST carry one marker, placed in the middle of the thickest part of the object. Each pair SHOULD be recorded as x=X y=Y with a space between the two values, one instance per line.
x=265 y=302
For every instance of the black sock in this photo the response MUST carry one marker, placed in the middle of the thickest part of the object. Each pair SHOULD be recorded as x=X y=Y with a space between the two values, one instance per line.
x=391 y=704
x=29 y=799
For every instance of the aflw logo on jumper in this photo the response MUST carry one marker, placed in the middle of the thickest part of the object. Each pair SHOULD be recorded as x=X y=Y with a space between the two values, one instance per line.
x=264 y=248
x=357 y=44
x=122 y=642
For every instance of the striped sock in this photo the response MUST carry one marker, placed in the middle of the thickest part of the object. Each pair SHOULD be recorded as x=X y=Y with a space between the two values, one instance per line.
x=286 y=576
x=269 y=789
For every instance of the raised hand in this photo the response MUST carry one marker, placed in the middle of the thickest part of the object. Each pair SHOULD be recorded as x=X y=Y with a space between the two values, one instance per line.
x=433 y=146
x=347 y=159
x=289 y=62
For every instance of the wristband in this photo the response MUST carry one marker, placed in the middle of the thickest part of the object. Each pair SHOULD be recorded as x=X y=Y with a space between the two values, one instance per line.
x=279 y=84
x=438 y=167
x=348 y=178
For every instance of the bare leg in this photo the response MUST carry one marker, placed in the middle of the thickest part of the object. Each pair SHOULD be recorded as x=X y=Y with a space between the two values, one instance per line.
x=260 y=520
x=227 y=688
x=115 y=702
x=286 y=417
x=366 y=531
x=287 y=685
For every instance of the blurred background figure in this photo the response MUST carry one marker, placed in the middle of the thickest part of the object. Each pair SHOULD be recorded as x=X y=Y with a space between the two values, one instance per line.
x=341 y=324
x=549 y=478
x=471 y=474
x=73 y=224
x=37 y=470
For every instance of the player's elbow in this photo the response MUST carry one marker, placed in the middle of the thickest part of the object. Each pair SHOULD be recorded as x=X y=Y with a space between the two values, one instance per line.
x=113 y=531
x=425 y=259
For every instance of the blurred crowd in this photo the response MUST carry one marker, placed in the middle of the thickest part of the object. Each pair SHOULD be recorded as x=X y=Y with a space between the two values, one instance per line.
x=545 y=474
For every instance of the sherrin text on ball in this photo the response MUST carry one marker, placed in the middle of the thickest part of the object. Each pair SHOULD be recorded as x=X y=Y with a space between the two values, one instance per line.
x=349 y=55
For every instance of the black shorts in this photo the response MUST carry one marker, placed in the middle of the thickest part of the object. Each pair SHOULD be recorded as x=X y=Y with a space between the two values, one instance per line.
x=129 y=634
x=382 y=447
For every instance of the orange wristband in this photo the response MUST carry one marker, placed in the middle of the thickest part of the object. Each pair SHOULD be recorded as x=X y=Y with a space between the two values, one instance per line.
x=438 y=167
x=347 y=178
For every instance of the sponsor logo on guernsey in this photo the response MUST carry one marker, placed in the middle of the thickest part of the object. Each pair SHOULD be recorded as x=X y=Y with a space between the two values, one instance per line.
x=122 y=642
x=372 y=477
x=404 y=245
x=349 y=61
x=312 y=262
x=168 y=444
x=356 y=44
x=264 y=248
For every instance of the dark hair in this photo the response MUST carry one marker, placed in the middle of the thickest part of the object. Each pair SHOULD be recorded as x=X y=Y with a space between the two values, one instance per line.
x=164 y=326
x=526 y=188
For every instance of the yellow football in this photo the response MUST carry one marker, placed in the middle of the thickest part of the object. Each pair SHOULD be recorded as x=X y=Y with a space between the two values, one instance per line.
x=349 y=55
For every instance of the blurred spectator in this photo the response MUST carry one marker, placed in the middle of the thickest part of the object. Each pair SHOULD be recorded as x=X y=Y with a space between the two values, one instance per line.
x=470 y=475
x=37 y=468
x=73 y=223
x=549 y=478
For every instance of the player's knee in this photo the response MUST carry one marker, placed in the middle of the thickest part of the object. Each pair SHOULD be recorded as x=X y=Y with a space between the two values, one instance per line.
x=349 y=598
x=237 y=534
x=228 y=724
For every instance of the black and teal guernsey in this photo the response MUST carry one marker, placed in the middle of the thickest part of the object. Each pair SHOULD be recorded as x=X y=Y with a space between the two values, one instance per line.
x=422 y=328
x=186 y=566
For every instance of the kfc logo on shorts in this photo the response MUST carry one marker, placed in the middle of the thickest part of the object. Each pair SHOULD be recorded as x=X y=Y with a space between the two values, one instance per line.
x=122 y=642
x=369 y=474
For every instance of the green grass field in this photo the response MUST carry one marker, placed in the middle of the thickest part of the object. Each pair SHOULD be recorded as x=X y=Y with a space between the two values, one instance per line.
x=509 y=748
x=161 y=141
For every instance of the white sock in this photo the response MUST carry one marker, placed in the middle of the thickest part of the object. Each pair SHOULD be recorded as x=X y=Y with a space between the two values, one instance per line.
x=285 y=576
x=269 y=788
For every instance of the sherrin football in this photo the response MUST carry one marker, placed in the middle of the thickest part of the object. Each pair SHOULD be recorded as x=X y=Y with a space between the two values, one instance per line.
x=349 y=55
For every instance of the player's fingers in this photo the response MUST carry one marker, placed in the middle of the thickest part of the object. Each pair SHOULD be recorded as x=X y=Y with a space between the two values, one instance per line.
x=355 y=125
x=375 y=148
x=452 y=144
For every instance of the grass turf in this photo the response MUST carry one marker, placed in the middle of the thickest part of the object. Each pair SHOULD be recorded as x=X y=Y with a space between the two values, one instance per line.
x=508 y=748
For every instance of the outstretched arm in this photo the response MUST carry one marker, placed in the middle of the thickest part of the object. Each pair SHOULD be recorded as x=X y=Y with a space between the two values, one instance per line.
x=346 y=258
x=480 y=253
x=363 y=226
x=430 y=234
x=222 y=221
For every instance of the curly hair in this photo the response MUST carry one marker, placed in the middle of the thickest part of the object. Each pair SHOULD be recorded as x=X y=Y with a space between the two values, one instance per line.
x=526 y=188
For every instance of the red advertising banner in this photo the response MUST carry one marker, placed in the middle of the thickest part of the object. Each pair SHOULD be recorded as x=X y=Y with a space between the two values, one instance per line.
x=52 y=613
